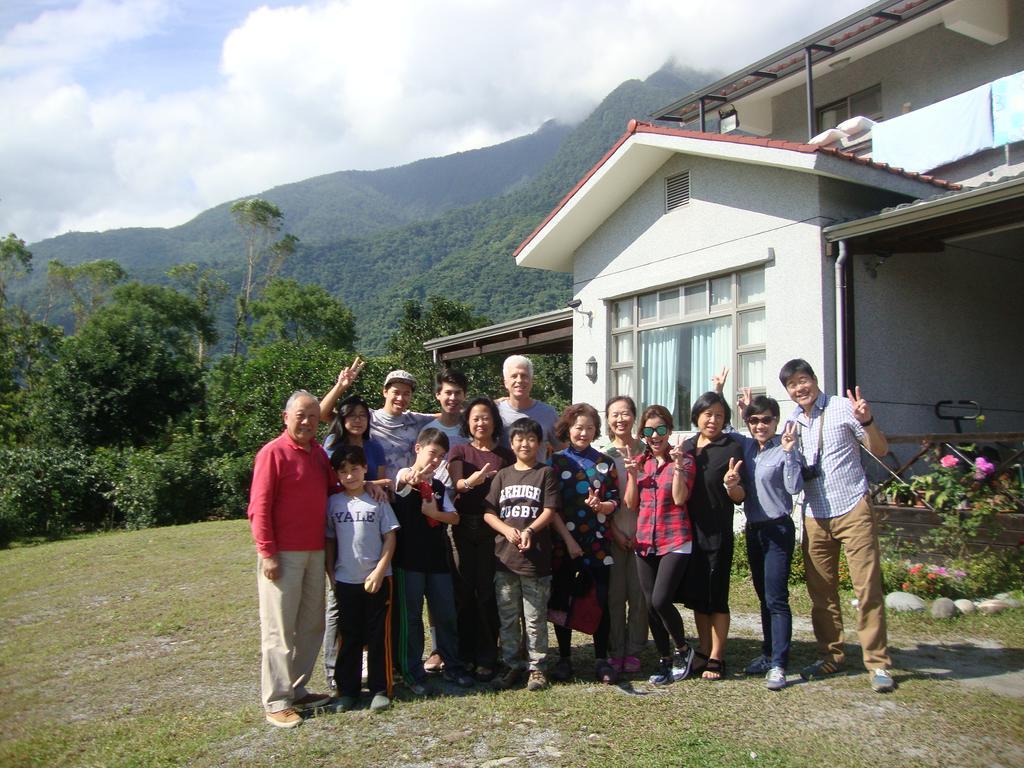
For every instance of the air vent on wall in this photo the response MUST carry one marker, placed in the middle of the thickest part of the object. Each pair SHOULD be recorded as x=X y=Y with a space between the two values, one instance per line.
x=677 y=191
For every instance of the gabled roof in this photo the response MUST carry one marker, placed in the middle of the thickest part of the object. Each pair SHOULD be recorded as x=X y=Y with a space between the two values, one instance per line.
x=645 y=147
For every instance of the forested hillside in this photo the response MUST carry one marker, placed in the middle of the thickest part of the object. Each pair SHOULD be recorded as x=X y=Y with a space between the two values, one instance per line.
x=444 y=226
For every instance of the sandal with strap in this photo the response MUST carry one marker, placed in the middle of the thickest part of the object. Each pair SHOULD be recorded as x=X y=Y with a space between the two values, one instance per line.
x=700 y=663
x=714 y=669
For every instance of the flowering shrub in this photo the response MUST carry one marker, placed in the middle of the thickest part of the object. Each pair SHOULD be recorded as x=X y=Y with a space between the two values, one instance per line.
x=966 y=497
x=931 y=581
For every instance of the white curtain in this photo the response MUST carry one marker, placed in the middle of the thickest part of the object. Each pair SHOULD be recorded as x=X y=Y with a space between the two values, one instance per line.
x=659 y=361
x=710 y=349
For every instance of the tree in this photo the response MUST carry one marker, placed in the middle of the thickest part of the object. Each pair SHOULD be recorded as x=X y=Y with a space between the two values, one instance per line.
x=440 y=317
x=127 y=373
x=15 y=261
x=208 y=289
x=86 y=286
x=259 y=221
x=291 y=311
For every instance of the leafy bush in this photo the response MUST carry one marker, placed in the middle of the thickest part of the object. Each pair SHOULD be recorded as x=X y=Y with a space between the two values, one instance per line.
x=49 y=492
x=163 y=486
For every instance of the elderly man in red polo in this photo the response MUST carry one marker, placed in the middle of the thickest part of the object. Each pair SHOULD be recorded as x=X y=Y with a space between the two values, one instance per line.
x=287 y=511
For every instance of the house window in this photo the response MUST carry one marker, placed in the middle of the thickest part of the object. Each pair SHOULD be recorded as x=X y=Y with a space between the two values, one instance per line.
x=677 y=191
x=866 y=103
x=667 y=344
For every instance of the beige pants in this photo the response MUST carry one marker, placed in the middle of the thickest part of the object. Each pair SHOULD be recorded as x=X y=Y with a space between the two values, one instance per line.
x=627 y=634
x=857 y=533
x=291 y=626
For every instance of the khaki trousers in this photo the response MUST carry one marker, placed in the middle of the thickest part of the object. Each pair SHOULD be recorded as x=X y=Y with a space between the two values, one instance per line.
x=857 y=533
x=291 y=626
x=627 y=630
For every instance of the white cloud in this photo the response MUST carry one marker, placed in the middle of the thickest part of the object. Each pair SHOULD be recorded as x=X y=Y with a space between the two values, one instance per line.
x=305 y=90
x=63 y=37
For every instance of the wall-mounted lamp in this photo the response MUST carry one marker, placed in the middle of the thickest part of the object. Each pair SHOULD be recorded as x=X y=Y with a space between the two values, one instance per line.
x=574 y=305
x=591 y=368
x=728 y=120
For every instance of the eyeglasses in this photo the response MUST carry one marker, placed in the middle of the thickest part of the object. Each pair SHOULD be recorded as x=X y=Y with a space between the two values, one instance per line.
x=661 y=429
x=760 y=419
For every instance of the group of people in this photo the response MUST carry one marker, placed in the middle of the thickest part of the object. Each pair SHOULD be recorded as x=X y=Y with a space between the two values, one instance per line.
x=503 y=516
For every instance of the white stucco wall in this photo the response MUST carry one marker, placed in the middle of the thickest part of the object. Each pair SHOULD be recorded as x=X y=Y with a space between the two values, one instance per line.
x=739 y=215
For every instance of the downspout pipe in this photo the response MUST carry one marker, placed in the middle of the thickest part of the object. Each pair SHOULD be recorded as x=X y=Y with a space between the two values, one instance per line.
x=840 y=281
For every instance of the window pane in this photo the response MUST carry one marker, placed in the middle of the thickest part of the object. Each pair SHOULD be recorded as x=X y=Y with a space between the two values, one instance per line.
x=624 y=348
x=752 y=327
x=867 y=103
x=624 y=383
x=677 y=363
x=648 y=308
x=695 y=300
x=751 y=286
x=721 y=291
x=622 y=311
x=751 y=373
x=668 y=304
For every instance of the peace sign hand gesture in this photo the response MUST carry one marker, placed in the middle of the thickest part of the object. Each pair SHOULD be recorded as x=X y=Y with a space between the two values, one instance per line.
x=347 y=376
x=788 y=438
x=861 y=409
x=732 y=475
x=632 y=462
x=718 y=381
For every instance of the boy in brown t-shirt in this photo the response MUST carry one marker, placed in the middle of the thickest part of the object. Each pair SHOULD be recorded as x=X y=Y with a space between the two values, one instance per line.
x=522 y=500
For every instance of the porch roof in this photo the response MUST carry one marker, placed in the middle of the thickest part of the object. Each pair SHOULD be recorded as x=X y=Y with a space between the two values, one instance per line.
x=546 y=333
x=924 y=225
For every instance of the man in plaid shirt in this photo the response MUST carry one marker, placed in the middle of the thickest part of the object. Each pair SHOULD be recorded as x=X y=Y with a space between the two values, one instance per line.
x=837 y=514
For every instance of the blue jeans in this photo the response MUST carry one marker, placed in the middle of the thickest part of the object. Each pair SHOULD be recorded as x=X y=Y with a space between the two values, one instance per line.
x=770 y=553
x=410 y=589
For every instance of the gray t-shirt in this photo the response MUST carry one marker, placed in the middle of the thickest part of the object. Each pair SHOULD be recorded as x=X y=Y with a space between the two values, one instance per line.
x=540 y=412
x=454 y=433
x=397 y=436
x=358 y=525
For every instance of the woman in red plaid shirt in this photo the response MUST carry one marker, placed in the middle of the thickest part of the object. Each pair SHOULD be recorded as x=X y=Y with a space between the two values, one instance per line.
x=658 y=485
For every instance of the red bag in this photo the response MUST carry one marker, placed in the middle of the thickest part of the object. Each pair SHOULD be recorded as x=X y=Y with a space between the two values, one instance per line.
x=585 y=611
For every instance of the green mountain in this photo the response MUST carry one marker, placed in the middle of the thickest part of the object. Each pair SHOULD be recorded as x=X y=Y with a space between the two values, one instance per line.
x=376 y=238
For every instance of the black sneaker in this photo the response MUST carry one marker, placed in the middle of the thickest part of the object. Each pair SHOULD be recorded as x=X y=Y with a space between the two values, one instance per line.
x=682 y=663
x=664 y=674
x=562 y=670
x=458 y=676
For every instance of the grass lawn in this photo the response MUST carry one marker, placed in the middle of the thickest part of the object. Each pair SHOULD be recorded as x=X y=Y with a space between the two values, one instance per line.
x=142 y=649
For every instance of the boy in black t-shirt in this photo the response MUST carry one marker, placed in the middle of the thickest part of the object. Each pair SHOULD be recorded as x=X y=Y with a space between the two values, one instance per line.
x=522 y=500
x=421 y=567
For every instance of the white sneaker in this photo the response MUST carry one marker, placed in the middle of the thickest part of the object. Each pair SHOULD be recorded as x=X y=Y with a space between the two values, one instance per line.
x=881 y=681
x=775 y=680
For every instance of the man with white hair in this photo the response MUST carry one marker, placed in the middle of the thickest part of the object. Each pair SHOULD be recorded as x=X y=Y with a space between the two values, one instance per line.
x=518 y=374
x=287 y=512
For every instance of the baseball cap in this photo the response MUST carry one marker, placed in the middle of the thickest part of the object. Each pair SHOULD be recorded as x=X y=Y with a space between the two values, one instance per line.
x=399 y=375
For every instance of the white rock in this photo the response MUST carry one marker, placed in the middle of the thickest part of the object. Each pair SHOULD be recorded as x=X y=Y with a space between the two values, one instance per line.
x=965 y=606
x=943 y=608
x=903 y=601
x=1010 y=601
x=992 y=606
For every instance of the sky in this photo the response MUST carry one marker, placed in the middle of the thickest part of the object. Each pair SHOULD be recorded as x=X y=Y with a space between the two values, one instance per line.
x=123 y=113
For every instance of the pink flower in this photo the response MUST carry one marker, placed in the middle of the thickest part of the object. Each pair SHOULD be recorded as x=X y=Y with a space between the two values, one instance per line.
x=949 y=461
x=983 y=468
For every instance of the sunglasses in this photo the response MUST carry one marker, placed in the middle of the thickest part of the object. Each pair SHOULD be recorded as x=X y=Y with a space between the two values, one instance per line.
x=661 y=429
x=760 y=419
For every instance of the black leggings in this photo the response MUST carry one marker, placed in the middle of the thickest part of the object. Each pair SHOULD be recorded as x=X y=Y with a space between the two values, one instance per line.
x=660 y=576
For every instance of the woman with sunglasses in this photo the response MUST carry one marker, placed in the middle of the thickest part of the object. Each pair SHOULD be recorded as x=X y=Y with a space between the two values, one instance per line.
x=772 y=471
x=717 y=490
x=658 y=486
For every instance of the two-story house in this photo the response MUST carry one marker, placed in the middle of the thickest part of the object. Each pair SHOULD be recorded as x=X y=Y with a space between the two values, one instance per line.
x=856 y=199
